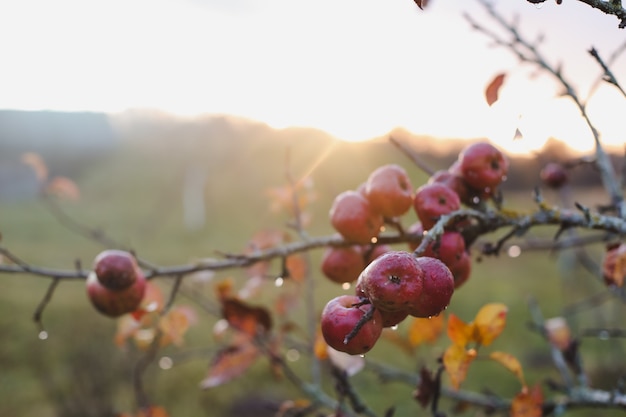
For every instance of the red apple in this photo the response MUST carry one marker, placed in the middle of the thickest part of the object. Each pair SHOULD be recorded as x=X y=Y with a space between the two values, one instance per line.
x=340 y=316
x=461 y=269
x=393 y=281
x=553 y=175
x=389 y=190
x=352 y=216
x=438 y=287
x=115 y=303
x=434 y=200
x=343 y=264
x=483 y=166
x=116 y=269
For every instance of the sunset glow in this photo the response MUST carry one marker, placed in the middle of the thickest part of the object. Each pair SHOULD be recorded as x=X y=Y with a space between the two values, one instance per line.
x=355 y=68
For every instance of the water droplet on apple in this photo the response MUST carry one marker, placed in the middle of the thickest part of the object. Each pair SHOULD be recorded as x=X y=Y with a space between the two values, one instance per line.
x=394 y=327
x=279 y=282
x=362 y=356
x=539 y=5
x=430 y=317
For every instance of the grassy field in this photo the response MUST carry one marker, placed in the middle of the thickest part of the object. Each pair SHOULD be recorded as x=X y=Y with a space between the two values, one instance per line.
x=135 y=196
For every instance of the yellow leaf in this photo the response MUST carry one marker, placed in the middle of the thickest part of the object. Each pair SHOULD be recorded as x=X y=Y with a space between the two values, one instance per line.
x=511 y=363
x=459 y=332
x=425 y=330
x=528 y=403
x=320 y=348
x=457 y=360
x=489 y=323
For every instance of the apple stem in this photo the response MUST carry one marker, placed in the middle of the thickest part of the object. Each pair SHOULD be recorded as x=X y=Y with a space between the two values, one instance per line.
x=364 y=319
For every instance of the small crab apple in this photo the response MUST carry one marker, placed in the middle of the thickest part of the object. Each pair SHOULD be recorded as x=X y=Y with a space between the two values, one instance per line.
x=389 y=190
x=553 y=175
x=374 y=252
x=434 y=200
x=449 y=248
x=453 y=180
x=483 y=166
x=116 y=269
x=393 y=281
x=114 y=303
x=352 y=216
x=392 y=318
x=461 y=269
x=343 y=264
x=341 y=315
x=438 y=287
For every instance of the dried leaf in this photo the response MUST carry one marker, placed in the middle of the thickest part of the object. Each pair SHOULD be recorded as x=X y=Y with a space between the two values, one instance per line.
x=421 y=3
x=63 y=187
x=425 y=330
x=489 y=323
x=350 y=364
x=426 y=388
x=230 y=363
x=456 y=360
x=614 y=265
x=459 y=332
x=245 y=318
x=511 y=363
x=492 y=90
x=528 y=403
x=36 y=162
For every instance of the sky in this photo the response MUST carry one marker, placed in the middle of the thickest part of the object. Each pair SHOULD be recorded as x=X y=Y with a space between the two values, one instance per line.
x=354 y=68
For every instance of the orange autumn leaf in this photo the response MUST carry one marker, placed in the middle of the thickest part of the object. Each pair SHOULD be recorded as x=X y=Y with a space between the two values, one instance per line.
x=493 y=89
x=511 y=363
x=489 y=323
x=425 y=330
x=175 y=324
x=63 y=187
x=528 y=403
x=230 y=363
x=459 y=332
x=456 y=360
x=296 y=267
x=153 y=411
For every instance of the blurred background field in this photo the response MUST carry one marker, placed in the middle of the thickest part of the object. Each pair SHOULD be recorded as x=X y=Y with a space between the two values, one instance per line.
x=132 y=186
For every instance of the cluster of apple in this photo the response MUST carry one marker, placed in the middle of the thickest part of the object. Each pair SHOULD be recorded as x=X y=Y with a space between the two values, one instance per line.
x=392 y=285
x=116 y=285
